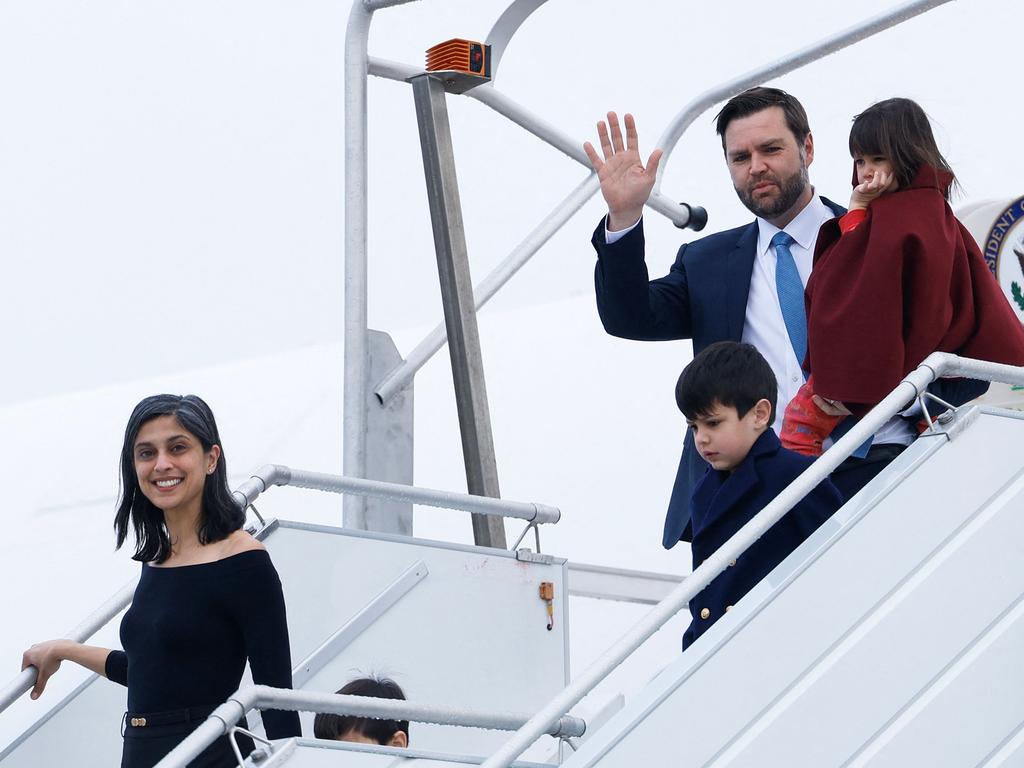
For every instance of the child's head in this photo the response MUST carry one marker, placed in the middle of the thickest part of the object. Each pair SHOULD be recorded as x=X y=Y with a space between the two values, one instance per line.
x=897 y=130
x=365 y=730
x=727 y=394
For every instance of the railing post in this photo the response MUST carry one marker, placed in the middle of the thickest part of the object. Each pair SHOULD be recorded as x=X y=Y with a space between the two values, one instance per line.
x=459 y=306
x=355 y=327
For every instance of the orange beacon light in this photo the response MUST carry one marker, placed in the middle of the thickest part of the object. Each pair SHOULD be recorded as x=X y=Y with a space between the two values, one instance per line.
x=458 y=55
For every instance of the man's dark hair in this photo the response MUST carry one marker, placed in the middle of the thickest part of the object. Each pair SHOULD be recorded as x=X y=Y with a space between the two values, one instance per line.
x=221 y=513
x=729 y=373
x=759 y=98
x=898 y=129
x=328 y=726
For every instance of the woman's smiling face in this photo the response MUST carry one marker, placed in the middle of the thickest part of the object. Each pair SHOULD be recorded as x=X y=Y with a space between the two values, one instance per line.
x=171 y=465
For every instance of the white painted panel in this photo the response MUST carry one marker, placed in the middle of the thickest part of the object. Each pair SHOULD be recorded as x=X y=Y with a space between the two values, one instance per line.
x=472 y=634
x=981 y=690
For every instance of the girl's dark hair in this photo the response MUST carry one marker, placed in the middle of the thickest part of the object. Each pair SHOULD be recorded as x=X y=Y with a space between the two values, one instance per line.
x=330 y=726
x=898 y=129
x=220 y=514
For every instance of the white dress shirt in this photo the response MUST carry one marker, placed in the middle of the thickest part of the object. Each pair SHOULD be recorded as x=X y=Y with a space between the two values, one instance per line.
x=764 y=327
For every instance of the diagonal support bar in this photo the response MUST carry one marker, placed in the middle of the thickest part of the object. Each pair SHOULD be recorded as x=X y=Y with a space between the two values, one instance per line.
x=459 y=306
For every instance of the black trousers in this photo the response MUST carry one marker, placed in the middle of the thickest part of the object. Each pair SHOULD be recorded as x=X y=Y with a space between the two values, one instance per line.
x=145 y=746
x=853 y=474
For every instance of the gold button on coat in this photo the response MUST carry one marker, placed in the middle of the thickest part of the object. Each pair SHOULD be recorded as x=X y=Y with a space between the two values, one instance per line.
x=732 y=563
x=704 y=613
x=728 y=608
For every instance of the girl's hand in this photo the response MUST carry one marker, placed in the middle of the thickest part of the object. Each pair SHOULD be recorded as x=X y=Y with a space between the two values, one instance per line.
x=831 y=407
x=870 y=190
x=46 y=658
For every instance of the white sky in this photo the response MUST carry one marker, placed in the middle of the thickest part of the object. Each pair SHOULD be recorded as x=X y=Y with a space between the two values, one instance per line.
x=171 y=173
x=171 y=199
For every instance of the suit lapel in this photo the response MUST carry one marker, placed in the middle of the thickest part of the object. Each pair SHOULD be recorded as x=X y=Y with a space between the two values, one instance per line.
x=720 y=492
x=838 y=210
x=739 y=267
x=732 y=491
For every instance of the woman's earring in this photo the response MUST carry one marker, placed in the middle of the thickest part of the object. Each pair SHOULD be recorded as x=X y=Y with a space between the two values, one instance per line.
x=211 y=470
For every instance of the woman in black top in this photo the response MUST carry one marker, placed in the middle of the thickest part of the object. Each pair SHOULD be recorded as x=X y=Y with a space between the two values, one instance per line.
x=208 y=598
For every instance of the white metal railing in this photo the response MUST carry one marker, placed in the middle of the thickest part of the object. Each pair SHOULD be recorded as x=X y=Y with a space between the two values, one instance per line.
x=278 y=474
x=911 y=388
x=222 y=719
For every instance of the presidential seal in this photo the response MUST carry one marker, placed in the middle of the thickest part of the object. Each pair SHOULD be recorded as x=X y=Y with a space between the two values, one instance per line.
x=1004 y=253
x=998 y=227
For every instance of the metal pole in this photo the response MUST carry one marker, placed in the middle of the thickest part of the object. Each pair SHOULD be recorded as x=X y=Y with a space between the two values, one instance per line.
x=459 y=307
x=355 y=340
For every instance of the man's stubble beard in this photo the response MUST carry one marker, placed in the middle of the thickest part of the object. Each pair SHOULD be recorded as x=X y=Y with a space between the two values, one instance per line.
x=790 y=190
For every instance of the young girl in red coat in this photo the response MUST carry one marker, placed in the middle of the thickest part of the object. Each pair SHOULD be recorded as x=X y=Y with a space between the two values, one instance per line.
x=895 y=279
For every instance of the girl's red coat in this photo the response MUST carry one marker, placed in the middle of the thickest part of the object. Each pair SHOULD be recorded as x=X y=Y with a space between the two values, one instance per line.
x=908 y=281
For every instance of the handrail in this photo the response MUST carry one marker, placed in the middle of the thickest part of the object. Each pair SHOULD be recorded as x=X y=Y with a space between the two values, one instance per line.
x=278 y=474
x=26 y=679
x=913 y=386
x=252 y=697
x=829 y=45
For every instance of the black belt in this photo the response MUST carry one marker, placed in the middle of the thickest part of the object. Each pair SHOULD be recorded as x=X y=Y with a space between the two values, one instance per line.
x=170 y=717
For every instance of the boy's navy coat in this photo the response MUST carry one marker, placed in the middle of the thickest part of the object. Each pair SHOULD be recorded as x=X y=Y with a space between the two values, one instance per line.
x=723 y=503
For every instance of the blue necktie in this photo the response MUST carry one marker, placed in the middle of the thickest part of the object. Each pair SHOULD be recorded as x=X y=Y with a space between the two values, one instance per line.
x=791 y=295
x=791 y=301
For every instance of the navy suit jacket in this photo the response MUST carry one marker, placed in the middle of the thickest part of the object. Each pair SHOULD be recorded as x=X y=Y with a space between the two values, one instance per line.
x=704 y=298
x=723 y=503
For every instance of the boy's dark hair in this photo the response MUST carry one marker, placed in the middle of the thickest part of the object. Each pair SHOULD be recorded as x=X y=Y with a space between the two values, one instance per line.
x=729 y=373
x=754 y=100
x=328 y=726
x=898 y=129
x=221 y=513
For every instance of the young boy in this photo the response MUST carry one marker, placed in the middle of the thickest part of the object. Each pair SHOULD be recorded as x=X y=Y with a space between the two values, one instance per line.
x=365 y=730
x=728 y=396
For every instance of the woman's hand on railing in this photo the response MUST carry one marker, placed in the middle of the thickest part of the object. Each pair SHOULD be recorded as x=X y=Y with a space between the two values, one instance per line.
x=46 y=658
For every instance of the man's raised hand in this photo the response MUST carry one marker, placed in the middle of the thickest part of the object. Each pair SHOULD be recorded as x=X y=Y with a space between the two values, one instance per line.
x=625 y=182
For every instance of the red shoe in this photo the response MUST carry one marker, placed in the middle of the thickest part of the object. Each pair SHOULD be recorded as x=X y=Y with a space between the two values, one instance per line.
x=804 y=425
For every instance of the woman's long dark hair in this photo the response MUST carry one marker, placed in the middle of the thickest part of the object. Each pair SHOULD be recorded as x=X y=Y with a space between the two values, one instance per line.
x=898 y=129
x=220 y=514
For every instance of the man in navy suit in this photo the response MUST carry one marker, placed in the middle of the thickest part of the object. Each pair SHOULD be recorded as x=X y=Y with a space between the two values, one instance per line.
x=727 y=395
x=724 y=287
